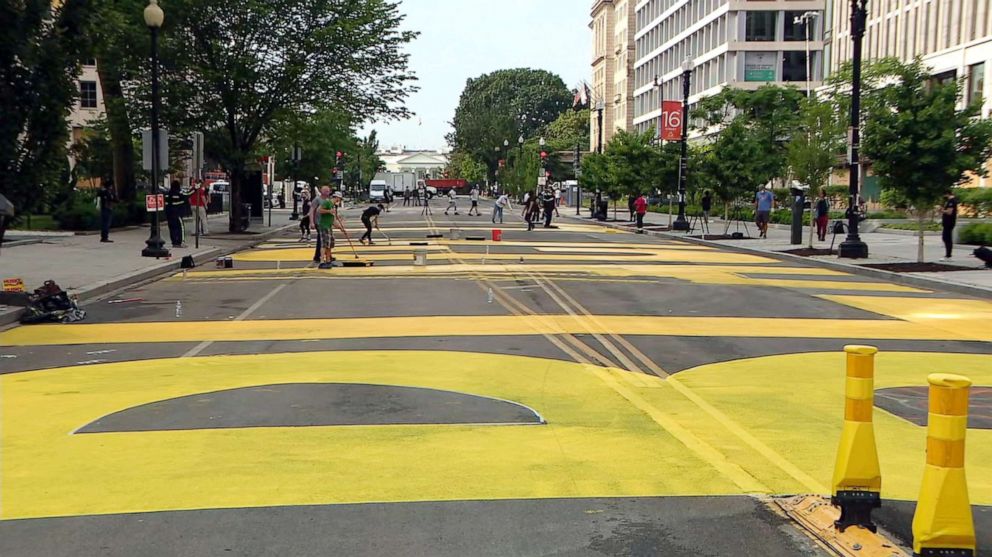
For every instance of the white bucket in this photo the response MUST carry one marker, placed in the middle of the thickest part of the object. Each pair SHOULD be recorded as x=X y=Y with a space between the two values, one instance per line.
x=420 y=257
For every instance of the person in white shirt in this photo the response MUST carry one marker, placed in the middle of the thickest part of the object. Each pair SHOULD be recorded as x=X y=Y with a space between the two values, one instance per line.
x=451 y=202
x=502 y=203
x=474 y=196
x=557 y=201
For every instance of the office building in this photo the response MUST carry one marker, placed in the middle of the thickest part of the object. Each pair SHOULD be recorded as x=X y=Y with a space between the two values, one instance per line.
x=612 y=24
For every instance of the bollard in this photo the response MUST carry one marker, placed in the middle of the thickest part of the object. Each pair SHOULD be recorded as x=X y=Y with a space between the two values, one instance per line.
x=942 y=524
x=857 y=480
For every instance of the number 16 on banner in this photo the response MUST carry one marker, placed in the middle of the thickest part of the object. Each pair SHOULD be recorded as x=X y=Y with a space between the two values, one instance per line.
x=671 y=121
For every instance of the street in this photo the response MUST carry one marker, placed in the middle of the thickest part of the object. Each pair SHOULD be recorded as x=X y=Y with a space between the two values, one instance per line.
x=567 y=391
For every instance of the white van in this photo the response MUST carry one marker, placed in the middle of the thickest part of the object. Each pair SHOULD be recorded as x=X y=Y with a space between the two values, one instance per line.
x=377 y=190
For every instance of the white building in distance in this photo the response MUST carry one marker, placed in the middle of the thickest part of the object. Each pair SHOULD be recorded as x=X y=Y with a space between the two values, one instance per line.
x=426 y=163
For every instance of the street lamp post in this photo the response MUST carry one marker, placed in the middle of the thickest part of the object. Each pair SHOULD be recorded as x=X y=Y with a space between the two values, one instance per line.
x=680 y=222
x=852 y=247
x=804 y=21
x=295 y=159
x=600 y=106
x=154 y=246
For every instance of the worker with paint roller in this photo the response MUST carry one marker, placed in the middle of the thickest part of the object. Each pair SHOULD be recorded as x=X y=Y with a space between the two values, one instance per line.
x=327 y=219
x=370 y=217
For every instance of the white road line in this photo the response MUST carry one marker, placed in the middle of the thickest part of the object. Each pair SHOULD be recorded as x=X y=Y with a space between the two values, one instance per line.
x=244 y=315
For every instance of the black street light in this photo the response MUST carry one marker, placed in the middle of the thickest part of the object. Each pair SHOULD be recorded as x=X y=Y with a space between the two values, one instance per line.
x=295 y=158
x=852 y=247
x=600 y=107
x=154 y=246
x=681 y=223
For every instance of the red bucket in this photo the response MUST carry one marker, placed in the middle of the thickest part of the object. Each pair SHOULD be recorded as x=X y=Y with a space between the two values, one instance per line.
x=497 y=235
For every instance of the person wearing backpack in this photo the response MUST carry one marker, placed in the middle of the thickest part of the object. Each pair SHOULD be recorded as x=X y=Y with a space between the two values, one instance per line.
x=822 y=215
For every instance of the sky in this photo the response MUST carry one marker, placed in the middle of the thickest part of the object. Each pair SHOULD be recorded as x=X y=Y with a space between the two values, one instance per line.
x=460 y=39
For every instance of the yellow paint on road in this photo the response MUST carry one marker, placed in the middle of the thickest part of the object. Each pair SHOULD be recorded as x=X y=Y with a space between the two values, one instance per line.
x=463 y=326
x=657 y=255
x=961 y=319
x=595 y=443
x=795 y=404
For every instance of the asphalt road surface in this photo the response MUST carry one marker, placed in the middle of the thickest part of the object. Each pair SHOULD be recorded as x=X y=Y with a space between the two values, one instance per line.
x=565 y=391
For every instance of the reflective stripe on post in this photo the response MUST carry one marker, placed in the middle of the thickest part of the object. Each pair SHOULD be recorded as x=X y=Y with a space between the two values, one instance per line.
x=943 y=524
x=857 y=479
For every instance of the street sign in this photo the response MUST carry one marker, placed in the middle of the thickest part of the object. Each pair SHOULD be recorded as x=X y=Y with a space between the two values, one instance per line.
x=13 y=285
x=154 y=202
x=671 y=121
x=163 y=149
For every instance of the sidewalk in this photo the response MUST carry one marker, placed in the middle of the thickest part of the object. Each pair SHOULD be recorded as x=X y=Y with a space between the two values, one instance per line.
x=84 y=266
x=883 y=247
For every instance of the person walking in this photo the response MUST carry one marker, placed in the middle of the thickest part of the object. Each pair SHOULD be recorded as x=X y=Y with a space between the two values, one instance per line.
x=640 y=209
x=198 y=200
x=387 y=197
x=305 y=216
x=707 y=204
x=406 y=198
x=948 y=220
x=557 y=194
x=370 y=218
x=548 y=200
x=452 y=204
x=631 y=200
x=822 y=215
x=106 y=198
x=503 y=202
x=175 y=205
x=532 y=210
x=324 y=195
x=763 y=203
x=474 y=197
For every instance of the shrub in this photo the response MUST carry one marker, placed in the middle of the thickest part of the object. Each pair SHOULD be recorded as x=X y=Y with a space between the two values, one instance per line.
x=974 y=201
x=79 y=212
x=979 y=233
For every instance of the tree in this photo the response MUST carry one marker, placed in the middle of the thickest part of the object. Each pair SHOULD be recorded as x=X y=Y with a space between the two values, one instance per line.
x=291 y=56
x=503 y=105
x=571 y=128
x=812 y=153
x=319 y=135
x=465 y=167
x=629 y=165
x=732 y=163
x=920 y=143
x=362 y=162
x=39 y=57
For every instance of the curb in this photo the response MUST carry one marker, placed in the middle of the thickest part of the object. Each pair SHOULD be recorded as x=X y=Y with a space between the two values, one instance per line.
x=898 y=278
x=98 y=289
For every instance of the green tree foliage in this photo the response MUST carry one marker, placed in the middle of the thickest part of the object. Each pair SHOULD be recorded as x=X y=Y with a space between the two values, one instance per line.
x=362 y=162
x=813 y=151
x=503 y=105
x=39 y=56
x=769 y=114
x=463 y=166
x=920 y=143
x=571 y=128
x=319 y=135
x=243 y=64
x=733 y=163
x=630 y=164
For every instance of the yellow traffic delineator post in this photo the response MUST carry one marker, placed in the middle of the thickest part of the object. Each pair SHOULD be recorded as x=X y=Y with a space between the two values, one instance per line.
x=943 y=524
x=857 y=481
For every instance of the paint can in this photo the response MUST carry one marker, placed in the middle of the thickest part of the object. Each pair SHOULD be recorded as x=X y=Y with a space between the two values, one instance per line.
x=228 y=263
x=497 y=235
x=420 y=257
x=220 y=262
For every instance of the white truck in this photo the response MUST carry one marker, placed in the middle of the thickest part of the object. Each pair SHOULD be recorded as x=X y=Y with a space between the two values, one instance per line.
x=398 y=182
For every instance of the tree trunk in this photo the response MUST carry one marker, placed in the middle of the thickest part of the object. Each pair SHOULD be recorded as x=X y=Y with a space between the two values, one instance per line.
x=920 y=215
x=120 y=129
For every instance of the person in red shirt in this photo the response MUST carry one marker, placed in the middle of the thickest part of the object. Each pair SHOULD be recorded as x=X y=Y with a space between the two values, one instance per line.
x=198 y=200
x=641 y=208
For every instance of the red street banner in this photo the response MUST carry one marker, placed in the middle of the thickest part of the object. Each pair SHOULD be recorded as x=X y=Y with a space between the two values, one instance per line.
x=671 y=121
x=154 y=202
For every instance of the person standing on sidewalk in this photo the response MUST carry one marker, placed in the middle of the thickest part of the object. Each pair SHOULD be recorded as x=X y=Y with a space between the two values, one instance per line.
x=707 y=204
x=106 y=198
x=503 y=202
x=948 y=220
x=641 y=209
x=198 y=200
x=305 y=216
x=175 y=206
x=822 y=215
x=763 y=203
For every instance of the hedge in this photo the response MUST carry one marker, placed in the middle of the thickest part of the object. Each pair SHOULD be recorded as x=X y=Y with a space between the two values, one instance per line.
x=80 y=213
x=979 y=233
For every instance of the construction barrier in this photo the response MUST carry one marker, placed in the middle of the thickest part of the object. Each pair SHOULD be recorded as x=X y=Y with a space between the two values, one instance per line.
x=857 y=480
x=943 y=524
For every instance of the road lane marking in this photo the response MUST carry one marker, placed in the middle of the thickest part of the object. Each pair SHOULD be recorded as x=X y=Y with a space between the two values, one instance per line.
x=244 y=315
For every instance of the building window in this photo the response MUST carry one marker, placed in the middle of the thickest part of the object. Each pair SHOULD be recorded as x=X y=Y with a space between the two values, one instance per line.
x=87 y=94
x=976 y=83
x=760 y=26
x=795 y=31
x=794 y=66
x=944 y=78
